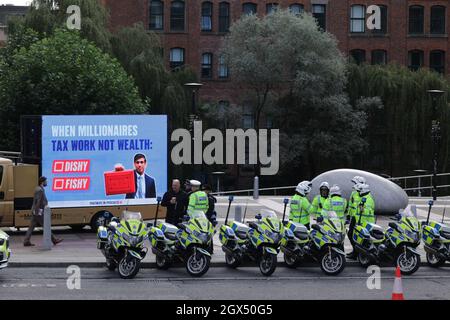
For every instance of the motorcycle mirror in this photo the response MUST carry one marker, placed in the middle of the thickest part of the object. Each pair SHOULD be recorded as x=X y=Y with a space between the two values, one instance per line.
x=185 y=217
x=320 y=219
x=258 y=216
x=285 y=200
x=315 y=227
x=398 y=216
x=430 y=202
x=149 y=225
x=230 y=198
x=285 y=223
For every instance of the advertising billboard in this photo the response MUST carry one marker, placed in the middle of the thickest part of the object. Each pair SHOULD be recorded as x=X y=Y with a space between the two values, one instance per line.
x=104 y=160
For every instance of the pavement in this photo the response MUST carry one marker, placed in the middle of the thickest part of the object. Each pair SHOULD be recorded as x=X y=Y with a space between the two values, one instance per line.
x=80 y=247
x=218 y=284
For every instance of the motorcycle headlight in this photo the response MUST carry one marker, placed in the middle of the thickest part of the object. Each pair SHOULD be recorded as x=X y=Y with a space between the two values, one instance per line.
x=414 y=235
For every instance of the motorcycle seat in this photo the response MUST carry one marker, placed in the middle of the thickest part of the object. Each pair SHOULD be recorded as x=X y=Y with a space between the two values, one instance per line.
x=171 y=236
x=445 y=233
x=253 y=225
x=377 y=234
x=241 y=235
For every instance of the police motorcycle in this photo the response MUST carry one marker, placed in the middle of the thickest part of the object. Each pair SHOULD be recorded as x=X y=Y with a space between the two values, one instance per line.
x=122 y=243
x=190 y=242
x=436 y=238
x=258 y=241
x=397 y=245
x=5 y=251
x=324 y=243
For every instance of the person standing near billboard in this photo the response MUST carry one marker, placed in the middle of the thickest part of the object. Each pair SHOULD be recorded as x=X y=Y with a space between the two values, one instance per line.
x=145 y=185
x=175 y=202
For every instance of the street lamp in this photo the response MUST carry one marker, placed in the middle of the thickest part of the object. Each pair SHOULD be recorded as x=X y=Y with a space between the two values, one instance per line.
x=194 y=87
x=193 y=117
x=435 y=136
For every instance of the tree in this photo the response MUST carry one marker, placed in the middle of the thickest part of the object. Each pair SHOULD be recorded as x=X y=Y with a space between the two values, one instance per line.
x=62 y=74
x=294 y=73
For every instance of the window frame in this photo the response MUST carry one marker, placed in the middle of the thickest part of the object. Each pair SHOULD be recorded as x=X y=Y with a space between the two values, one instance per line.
x=441 y=67
x=384 y=20
x=271 y=7
x=176 y=65
x=224 y=20
x=223 y=66
x=175 y=20
x=299 y=5
x=358 y=19
x=322 y=19
x=207 y=66
x=412 y=20
x=379 y=51
x=410 y=65
x=152 y=15
x=364 y=54
x=203 y=17
x=254 y=5
x=433 y=20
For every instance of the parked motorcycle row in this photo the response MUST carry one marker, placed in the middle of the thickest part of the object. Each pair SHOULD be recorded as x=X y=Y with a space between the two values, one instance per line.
x=260 y=242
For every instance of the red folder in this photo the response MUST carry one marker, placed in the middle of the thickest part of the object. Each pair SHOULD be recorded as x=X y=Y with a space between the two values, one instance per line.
x=119 y=182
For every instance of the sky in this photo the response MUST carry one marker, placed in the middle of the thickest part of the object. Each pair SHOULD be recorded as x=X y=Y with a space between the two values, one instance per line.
x=16 y=2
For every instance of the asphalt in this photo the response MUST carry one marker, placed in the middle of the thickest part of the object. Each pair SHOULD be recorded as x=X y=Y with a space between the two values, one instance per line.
x=219 y=283
x=79 y=248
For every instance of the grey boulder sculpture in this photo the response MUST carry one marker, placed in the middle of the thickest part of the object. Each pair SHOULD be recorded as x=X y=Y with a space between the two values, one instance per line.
x=389 y=197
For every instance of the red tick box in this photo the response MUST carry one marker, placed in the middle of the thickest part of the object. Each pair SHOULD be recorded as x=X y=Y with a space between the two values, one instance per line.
x=119 y=182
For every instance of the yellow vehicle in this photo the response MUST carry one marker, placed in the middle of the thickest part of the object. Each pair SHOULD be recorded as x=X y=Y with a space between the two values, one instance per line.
x=17 y=184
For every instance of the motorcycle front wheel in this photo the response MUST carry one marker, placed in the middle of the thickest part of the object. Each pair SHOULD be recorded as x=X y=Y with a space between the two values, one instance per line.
x=408 y=262
x=231 y=261
x=267 y=264
x=111 y=264
x=364 y=260
x=332 y=264
x=291 y=260
x=128 y=267
x=197 y=264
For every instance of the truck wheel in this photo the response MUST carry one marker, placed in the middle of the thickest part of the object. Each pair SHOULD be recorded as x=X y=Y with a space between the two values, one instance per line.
x=101 y=218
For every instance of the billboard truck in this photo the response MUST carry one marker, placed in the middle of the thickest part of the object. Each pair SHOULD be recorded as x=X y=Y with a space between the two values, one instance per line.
x=96 y=167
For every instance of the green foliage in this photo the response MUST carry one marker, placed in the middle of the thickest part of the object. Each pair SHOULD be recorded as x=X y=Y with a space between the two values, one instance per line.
x=62 y=74
x=399 y=133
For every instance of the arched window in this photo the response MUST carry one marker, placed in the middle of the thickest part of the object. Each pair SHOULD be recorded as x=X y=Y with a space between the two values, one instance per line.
x=358 y=18
x=416 y=19
x=271 y=7
x=358 y=56
x=224 y=17
x=249 y=8
x=207 y=8
x=176 y=58
x=177 y=16
x=319 y=12
x=379 y=57
x=296 y=8
x=156 y=15
x=207 y=65
x=415 y=59
x=437 y=23
x=223 y=68
x=437 y=61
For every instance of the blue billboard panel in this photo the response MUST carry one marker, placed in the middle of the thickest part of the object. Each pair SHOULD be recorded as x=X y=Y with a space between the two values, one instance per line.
x=104 y=160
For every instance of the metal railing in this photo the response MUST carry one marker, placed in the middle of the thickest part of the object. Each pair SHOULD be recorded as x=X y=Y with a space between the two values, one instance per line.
x=410 y=184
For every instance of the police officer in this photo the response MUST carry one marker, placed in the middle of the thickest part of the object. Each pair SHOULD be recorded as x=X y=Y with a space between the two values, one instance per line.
x=211 y=213
x=365 y=212
x=198 y=200
x=320 y=199
x=354 y=197
x=336 y=203
x=300 y=208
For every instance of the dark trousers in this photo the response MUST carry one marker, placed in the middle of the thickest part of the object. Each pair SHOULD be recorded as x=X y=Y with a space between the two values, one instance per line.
x=36 y=221
x=351 y=228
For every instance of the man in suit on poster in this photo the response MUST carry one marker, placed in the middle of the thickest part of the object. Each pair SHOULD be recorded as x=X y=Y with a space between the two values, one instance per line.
x=145 y=185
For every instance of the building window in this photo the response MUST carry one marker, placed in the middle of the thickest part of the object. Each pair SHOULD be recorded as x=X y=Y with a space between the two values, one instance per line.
x=296 y=8
x=224 y=17
x=415 y=59
x=416 y=20
x=358 y=56
x=437 y=20
x=207 y=65
x=156 y=15
x=176 y=58
x=358 y=19
x=249 y=8
x=223 y=68
x=384 y=21
x=319 y=13
x=437 y=61
x=177 y=16
x=379 y=57
x=271 y=8
x=207 y=8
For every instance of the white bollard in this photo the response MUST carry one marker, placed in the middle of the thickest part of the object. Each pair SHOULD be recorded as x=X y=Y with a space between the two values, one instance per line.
x=256 y=188
x=47 y=237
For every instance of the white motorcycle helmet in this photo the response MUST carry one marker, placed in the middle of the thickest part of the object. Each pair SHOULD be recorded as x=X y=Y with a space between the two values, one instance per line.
x=335 y=191
x=324 y=185
x=303 y=188
x=363 y=188
x=358 y=179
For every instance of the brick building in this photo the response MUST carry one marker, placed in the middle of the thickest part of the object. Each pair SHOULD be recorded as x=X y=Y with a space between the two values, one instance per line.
x=7 y=11
x=413 y=32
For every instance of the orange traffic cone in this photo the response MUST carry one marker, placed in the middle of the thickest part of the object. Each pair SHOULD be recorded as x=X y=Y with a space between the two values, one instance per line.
x=397 y=292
